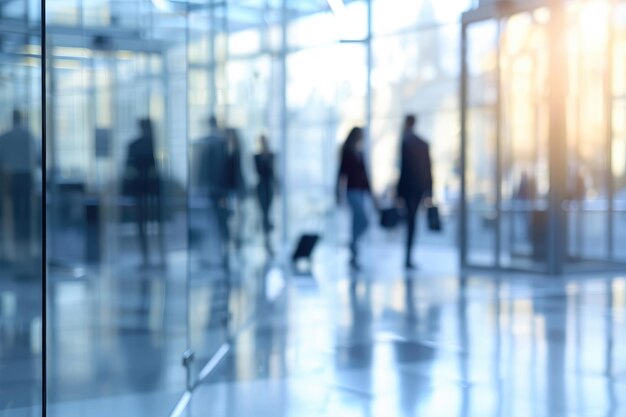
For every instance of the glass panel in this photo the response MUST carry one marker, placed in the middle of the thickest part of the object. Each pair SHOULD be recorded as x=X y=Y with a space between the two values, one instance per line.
x=481 y=130
x=430 y=90
x=117 y=241
x=20 y=210
x=324 y=103
x=214 y=204
x=588 y=148
x=524 y=141
x=233 y=217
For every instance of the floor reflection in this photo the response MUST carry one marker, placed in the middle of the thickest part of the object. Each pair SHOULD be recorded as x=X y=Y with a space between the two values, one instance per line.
x=429 y=344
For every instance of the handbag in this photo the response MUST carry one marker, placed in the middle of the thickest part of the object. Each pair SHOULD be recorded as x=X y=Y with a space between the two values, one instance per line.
x=434 y=220
x=389 y=217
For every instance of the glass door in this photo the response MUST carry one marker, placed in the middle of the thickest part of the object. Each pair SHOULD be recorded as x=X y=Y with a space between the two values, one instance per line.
x=481 y=144
x=117 y=273
x=505 y=140
x=543 y=136
x=21 y=195
x=524 y=113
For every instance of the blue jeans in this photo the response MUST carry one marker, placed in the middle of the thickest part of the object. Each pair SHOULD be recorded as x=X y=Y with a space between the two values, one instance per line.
x=356 y=200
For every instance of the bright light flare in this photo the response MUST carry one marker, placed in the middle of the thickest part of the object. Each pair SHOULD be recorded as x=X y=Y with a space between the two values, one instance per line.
x=593 y=21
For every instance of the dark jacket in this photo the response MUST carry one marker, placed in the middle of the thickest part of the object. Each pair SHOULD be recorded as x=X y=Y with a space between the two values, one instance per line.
x=264 y=164
x=352 y=168
x=415 y=168
x=141 y=176
x=213 y=170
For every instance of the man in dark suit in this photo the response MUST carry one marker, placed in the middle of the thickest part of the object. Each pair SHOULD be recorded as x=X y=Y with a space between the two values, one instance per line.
x=143 y=183
x=213 y=177
x=18 y=158
x=416 y=182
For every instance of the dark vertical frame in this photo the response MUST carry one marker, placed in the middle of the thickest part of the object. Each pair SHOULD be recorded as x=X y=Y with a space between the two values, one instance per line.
x=44 y=217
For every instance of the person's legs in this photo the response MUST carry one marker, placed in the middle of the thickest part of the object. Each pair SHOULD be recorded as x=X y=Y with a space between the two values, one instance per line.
x=21 y=195
x=157 y=207
x=141 y=220
x=264 y=204
x=411 y=207
x=356 y=200
x=220 y=205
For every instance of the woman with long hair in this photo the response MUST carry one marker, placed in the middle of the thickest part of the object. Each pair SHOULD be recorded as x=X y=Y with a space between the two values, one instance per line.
x=354 y=179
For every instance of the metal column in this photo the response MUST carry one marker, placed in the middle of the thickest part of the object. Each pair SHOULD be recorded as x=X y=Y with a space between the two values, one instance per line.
x=463 y=150
x=557 y=140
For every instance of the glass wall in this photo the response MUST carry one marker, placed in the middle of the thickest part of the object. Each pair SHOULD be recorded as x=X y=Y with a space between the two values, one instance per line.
x=117 y=205
x=157 y=242
x=21 y=340
x=162 y=219
x=416 y=49
x=189 y=145
x=553 y=187
x=481 y=142
x=414 y=69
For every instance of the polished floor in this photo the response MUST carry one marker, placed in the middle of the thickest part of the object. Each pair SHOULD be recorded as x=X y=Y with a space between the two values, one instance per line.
x=381 y=342
x=427 y=343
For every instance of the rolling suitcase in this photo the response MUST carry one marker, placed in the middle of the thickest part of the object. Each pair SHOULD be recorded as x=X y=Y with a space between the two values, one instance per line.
x=304 y=250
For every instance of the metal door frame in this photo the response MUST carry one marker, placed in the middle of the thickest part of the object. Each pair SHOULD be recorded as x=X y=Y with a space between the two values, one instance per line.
x=493 y=12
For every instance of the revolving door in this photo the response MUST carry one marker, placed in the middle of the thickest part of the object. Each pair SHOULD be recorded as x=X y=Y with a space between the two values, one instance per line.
x=543 y=136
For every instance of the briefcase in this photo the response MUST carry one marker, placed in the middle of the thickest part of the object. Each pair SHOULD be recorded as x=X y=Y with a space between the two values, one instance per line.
x=305 y=246
x=434 y=220
x=389 y=217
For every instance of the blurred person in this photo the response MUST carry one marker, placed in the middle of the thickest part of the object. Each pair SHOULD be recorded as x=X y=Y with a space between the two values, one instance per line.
x=415 y=183
x=354 y=179
x=213 y=167
x=577 y=185
x=525 y=197
x=264 y=164
x=235 y=185
x=143 y=184
x=17 y=160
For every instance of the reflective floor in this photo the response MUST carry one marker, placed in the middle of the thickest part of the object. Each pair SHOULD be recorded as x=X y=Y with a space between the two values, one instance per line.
x=383 y=343
x=377 y=343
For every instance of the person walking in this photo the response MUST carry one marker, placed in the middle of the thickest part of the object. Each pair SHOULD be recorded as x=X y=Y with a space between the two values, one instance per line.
x=236 y=188
x=354 y=179
x=214 y=178
x=143 y=183
x=264 y=164
x=18 y=154
x=416 y=182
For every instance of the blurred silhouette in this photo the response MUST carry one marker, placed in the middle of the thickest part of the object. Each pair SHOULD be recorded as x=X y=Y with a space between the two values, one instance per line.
x=264 y=164
x=213 y=166
x=353 y=176
x=235 y=186
x=527 y=189
x=17 y=161
x=577 y=185
x=525 y=197
x=415 y=181
x=143 y=183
